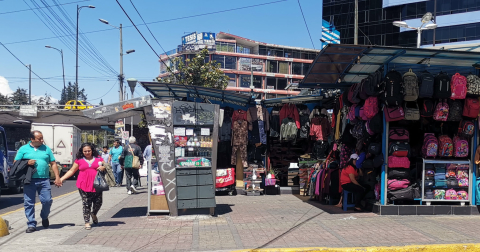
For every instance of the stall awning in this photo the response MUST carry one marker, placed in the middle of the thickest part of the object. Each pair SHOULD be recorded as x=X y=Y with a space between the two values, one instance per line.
x=338 y=66
x=160 y=90
x=293 y=99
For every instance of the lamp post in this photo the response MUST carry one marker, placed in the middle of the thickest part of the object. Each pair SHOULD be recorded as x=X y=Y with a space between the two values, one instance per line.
x=120 y=76
x=76 y=51
x=132 y=83
x=425 y=19
x=63 y=66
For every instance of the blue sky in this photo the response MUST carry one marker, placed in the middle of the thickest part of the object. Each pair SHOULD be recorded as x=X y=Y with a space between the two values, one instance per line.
x=278 y=23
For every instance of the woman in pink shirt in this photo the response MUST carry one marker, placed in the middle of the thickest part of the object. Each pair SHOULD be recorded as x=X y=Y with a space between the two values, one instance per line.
x=88 y=162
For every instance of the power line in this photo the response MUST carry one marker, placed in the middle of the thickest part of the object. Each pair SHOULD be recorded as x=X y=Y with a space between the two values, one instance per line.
x=147 y=26
x=114 y=84
x=9 y=12
x=28 y=68
x=306 y=23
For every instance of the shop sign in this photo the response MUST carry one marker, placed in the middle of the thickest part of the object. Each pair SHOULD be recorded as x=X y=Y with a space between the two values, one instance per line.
x=201 y=37
x=119 y=128
x=114 y=108
x=126 y=135
x=191 y=113
x=28 y=110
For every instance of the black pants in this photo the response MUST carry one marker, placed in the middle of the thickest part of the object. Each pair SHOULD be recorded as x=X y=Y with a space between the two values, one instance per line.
x=359 y=192
x=89 y=198
x=131 y=172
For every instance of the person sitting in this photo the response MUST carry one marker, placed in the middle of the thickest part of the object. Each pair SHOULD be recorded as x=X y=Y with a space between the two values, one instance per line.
x=349 y=181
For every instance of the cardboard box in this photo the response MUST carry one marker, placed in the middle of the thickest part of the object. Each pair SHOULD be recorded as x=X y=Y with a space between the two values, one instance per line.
x=158 y=202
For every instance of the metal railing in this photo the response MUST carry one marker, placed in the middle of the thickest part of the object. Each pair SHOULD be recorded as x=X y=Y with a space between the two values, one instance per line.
x=44 y=107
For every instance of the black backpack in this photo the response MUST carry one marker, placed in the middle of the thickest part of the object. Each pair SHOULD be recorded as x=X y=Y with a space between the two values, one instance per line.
x=442 y=88
x=347 y=137
x=427 y=108
x=372 y=85
x=393 y=94
x=455 y=109
x=426 y=85
x=376 y=124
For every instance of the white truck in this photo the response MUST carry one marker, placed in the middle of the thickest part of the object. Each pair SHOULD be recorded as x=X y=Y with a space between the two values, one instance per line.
x=63 y=139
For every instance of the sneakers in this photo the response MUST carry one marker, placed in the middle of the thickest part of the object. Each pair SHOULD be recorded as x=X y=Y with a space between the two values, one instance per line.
x=31 y=230
x=134 y=190
x=129 y=192
x=45 y=223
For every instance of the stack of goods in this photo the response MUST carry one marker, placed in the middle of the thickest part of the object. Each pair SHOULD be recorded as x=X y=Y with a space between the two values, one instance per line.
x=281 y=156
x=448 y=181
x=252 y=177
x=293 y=171
x=305 y=171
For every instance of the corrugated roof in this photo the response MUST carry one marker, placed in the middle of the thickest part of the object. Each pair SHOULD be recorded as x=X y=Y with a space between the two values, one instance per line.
x=339 y=66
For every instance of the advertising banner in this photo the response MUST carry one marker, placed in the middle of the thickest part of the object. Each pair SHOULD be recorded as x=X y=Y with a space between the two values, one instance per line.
x=119 y=128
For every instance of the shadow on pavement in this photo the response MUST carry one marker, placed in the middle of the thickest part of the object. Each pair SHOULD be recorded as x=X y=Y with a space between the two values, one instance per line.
x=223 y=209
x=131 y=212
x=330 y=209
x=62 y=225
x=110 y=223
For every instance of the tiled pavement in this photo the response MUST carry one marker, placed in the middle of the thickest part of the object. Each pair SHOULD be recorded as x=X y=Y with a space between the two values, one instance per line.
x=269 y=222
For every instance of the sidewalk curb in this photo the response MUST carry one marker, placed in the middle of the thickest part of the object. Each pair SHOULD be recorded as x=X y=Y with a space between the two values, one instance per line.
x=410 y=248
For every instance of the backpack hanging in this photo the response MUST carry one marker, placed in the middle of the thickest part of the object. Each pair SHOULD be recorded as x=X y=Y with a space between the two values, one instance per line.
x=426 y=85
x=393 y=113
x=460 y=146
x=441 y=111
x=394 y=90
x=458 y=86
x=442 y=89
x=410 y=83
x=445 y=146
x=370 y=109
x=471 y=108
x=455 y=109
x=353 y=93
x=427 y=108
x=466 y=128
x=473 y=85
x=412 y=114
x=430 y=146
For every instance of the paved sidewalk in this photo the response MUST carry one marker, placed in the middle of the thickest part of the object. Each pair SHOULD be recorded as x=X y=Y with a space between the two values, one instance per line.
x=243 y=222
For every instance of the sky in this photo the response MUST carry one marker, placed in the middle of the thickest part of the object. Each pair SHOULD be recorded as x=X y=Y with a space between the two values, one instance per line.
x=25 y=35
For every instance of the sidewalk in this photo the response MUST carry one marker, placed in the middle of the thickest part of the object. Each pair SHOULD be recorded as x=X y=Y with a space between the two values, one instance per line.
x=243 y=222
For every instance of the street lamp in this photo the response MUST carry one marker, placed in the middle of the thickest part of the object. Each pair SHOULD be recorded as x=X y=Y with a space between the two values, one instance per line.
x=120 y=77
x=76 y=51
x=425 y=19
x=63 y=66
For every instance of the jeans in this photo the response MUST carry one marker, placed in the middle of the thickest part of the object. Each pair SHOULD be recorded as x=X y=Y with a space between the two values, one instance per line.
x=117 y=172
x=42 y=186
x=131 y=172
x=359 y=192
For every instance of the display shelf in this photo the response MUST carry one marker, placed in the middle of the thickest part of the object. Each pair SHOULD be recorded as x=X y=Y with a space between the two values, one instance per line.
x=195 y=157
x=190 y=167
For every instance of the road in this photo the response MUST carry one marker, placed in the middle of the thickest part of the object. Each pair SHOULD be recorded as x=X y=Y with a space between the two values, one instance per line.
x=12 y=202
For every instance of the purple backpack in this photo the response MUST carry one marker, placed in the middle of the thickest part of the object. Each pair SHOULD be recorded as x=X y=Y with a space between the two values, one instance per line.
x=394 y=114
x=430 y=145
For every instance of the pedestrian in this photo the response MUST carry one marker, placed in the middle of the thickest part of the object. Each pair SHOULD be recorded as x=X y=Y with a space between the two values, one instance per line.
x=133 y=150
x=105 y=154
x=147 y=153
x=40 y=156
x=349 y=182
x=88 y=162
x=115 y=153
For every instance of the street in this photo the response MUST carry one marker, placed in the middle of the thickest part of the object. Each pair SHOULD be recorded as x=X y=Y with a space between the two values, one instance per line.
x=11 y=202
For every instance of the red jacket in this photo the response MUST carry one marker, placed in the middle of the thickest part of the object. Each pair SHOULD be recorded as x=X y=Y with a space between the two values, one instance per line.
x=290 y=110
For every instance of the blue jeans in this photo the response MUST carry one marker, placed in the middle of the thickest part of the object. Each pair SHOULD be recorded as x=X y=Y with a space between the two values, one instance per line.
x=42 y=186
x=117 y=172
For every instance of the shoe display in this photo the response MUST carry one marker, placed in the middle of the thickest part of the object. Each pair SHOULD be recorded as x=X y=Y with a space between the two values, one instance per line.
x=31 y=230
x=45 y=223
x=129 y=192
x=134 y=190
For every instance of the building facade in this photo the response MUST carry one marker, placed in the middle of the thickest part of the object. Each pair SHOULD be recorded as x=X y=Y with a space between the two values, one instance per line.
x=458 y=21
x=275 y=68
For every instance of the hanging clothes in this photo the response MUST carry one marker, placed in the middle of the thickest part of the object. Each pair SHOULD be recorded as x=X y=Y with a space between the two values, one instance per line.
x=275 y=122
x=320 y=128
x=258 y=123
x=290 y=111
x=239 y=114
x=303 y=114
x=239 y=141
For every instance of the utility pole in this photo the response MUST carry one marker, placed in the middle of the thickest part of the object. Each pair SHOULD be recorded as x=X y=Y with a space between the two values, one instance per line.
x=76 y=56
x=120 y=77
x=355 y=36
x=30 y=84
x=435 y=19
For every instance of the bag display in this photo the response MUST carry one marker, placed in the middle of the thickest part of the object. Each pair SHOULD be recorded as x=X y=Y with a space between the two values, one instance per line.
x=399 y=149
x=439 y=194
x=412 y=114
x=100 y=184
x=455 y=109
x=398 y=134
x=408 y=193
x=394 y=90
x=429 y=173
x=410 y=84
x=395 y=184
x=450 y=194
x=466 y=128
x=452 y=182
x=460 y=146
x=370 y=109
x=430 y=146
x=351 y=113
x=440 y=182
x=441 y=111
x=426 y=85
x=429 y=183
x=398 y=162
x=357 y=130
x=473 y=85
x=375 y=125
x=462 y=195
x=445 y=146
x=471 y=107
x=375 y=149
x=393 y=114
x=427 y=108
x=428 y=195
x=442 y=89
x=398 y=173
x=378 y=161
x=458 y=86
x=353 y=93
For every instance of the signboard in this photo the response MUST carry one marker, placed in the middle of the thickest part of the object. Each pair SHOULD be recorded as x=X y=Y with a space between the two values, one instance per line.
x=200 y=37
x=126 y=135
x=193 y=48
x=119 y=107
x=119 y=128
x=330 y=35
x=28 y=110
x=190 y=113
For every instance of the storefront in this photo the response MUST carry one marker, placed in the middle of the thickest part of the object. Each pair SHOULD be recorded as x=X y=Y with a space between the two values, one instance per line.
x=412 y=116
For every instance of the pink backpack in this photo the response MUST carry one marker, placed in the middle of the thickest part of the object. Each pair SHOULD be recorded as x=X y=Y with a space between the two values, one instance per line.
x=351 y=113
x=460 y=146
x=445 y=146
x=451 y=194
x=398 y=162
x=462 y=195
x=441 y=111
x=370 y=107
x=430 y=145
x=398 y=134
x=394 y=114
x=394 y=184
x=458 y=86
x=362 y=114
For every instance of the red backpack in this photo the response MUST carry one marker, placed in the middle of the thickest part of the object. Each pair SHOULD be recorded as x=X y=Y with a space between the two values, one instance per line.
x=471 y=108
x=458 y=86
x=441 y=111
x=370 y=109
x=445 y=146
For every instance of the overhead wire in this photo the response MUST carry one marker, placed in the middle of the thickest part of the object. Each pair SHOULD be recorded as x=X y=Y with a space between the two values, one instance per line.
x=147 y=27
x=114 y=84
x=304 y=20
x=15 y=11
x=29 y=68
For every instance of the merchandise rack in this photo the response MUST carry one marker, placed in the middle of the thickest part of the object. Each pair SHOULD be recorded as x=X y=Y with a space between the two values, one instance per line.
x=458 y=162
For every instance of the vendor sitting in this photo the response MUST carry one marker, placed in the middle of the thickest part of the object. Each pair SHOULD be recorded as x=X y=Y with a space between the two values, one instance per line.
x=349 y=181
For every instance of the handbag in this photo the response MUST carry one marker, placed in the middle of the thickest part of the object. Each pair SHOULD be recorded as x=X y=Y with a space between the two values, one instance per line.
x=132 y=161
x=412 y=114
x=393 y=114
x=100 y=184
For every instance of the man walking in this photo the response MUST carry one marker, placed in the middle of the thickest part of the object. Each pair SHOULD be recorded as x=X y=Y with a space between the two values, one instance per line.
x=115 y=153
x=129 y=152
x=105 y=154
x=39 y=156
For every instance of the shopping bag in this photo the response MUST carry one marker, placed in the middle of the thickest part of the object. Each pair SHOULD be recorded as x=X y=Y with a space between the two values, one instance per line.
x=100 y=184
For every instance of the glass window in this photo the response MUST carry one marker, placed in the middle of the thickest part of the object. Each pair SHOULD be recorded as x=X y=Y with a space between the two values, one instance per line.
x=245 y=64
x=232 y=80
x=272 y=66
x=230 y=62
x=262 y=50
x=283 y=67
x=243 y=49
x=257 y=65
x=296 y=68
x=296 y=54
x=306 y=66
x=245 y=81
x=281 y=84
x=219 y=59
x=271 y=83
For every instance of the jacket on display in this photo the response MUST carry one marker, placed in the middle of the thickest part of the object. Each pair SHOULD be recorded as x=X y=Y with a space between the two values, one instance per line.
x=290 y=111
x=275 y=122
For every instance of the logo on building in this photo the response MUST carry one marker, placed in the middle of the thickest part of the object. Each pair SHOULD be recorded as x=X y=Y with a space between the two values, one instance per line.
x=330 y=35
x=199 y=38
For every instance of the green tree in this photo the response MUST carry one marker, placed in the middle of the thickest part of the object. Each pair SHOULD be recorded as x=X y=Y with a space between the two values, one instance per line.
x=101 y=102
x=4 y=100
x=68 y=93
x=198 y=73
x=19 y=97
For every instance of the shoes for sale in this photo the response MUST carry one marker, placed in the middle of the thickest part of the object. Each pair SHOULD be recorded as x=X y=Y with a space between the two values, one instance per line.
x=305 y=156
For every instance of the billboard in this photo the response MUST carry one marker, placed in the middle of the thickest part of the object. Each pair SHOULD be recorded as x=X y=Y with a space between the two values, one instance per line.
x=330 y=35
x=199 y=38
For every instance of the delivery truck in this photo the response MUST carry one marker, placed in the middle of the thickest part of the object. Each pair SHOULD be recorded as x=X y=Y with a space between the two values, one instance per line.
x=63 y=139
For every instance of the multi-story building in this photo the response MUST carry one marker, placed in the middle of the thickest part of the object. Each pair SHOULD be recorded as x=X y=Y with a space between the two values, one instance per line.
x=458 y=21
x=275 y=67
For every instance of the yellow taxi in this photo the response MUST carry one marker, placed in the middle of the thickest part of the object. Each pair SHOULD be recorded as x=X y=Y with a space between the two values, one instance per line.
x=77 y=104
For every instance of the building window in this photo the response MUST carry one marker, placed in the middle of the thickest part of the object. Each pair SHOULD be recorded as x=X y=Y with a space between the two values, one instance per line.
x=243 y=49
x=230 y=62
x=232 y=82
x=281 y=84
x=219 y=59
x=245 y=81
x=283 y=67
x=272 y=66
x=262 y=50
x=257 y=65
x=225 y=47
x=297 y=68
x=271 y=83
x=245 y=64
x=306 y=66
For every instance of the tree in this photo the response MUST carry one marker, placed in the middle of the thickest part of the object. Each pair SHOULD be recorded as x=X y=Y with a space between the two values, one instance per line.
x=4 y=100
x=19 y=97
x=101 y=102
x=68 y=93
x=198 y=73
